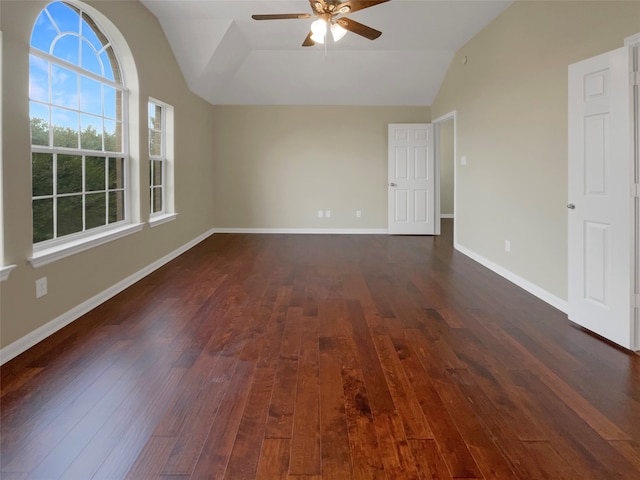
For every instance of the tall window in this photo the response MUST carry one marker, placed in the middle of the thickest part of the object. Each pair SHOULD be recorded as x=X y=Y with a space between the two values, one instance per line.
x=157 y=156
x=78 y=152
x=161 y=190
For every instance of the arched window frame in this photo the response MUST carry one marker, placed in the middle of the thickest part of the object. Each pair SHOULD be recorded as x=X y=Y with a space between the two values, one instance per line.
x=62 y=245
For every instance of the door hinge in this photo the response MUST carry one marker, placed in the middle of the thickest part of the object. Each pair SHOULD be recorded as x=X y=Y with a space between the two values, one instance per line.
x=636 y=190
x=635 y=300
x=635 y=79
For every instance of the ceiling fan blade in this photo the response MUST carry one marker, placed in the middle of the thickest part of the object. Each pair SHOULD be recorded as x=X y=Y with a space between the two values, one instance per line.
x=281 y=16
x=355 y=5
x=307 y=41
x=358 y=28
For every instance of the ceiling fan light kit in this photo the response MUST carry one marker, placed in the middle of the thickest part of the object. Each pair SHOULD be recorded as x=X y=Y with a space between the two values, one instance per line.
x=318 y=30
x=330 y=15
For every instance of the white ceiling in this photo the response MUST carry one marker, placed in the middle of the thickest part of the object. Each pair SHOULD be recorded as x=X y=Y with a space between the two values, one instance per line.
x=228 y=58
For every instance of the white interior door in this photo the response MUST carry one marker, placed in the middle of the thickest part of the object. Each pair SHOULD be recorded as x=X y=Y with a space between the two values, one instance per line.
x=412 y=206
x=601 y=214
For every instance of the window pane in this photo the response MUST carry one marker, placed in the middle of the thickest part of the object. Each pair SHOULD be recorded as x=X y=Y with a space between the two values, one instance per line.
x=69 y=215
x=155 y=116
x=69 y=174
x=90 y=96
x=91 y=134
x=65 y=17
x=43 y=33
x=110 y=139
x=108 y=65
x=39 y=124
x=155 y=143
x=157 y=200
x=64 y=87
x=111 y=68
x=110 y=103
x=95 y=172
x=90 y=60
x=42 y=174
x=42 y=220
x=92 y=33
x=96 y=210
x=68 y=48
x=157 y=173
x=65 y=128
x=116 y=173
x=116 y=206
x=38 y=79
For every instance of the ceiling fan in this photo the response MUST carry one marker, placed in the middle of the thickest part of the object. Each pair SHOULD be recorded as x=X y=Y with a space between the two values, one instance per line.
x=331 y=17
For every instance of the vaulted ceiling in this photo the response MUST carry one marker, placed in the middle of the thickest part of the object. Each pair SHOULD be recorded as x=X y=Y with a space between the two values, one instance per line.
x=228 y=58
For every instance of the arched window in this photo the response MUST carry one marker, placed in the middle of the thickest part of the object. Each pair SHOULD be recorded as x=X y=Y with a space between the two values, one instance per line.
x=79 y=150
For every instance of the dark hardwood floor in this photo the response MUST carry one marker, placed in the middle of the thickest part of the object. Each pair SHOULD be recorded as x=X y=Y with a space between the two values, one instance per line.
x=322 y=357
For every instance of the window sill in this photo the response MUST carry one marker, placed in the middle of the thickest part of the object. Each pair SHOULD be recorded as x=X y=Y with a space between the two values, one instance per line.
x=5 y=271
x=49 y=255
x=160 y=219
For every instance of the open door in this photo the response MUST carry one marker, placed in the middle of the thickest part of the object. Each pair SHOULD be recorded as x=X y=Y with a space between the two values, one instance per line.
x=411 y=187
x=601 y=196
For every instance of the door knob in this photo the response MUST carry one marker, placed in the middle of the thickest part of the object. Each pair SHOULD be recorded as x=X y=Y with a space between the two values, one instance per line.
x=393 y=184
x=571 y=206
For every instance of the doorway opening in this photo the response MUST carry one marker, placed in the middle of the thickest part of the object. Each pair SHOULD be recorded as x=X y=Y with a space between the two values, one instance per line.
x=445 y=160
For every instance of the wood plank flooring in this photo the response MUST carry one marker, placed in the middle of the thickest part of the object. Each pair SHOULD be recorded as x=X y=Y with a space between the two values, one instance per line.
x=300 y=357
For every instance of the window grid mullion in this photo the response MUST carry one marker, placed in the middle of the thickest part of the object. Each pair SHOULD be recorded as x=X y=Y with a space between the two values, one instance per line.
x=105 y=169
x=55 y=195
x=84 y=193
x=75 y=68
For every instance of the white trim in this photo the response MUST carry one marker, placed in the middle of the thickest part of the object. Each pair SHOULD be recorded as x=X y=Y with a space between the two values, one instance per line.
x=314 y=231
x=29 y=340
x=160 y=219
x=447 y=215
x=632 y=40
x=5 y=271
x=526 y=285
x=49 y=255
x=452 y=115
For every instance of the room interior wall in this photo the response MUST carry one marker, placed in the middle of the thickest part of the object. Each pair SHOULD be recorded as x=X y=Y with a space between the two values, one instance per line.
x=508 y=86
x=276 y=166
x=445 y=134
x=79 y=277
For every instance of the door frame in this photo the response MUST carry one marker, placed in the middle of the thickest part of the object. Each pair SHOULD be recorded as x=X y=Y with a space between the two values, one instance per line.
x=634 y=41
x=437 y=158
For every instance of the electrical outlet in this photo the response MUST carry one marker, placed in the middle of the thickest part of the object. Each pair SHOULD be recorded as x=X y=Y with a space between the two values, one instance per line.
x=327 y=213
x=320 y=214
x=358 y=213
x=507 y=246
x=41 y=287
x=463 y=160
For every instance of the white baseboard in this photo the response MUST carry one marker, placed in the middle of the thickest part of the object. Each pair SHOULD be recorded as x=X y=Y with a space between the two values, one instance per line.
x=532 y=288
x=447 y=215
x=29 y=340
x=314 y=231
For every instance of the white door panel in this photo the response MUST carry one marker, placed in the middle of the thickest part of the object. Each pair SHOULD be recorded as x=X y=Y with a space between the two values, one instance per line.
x=411 y=179
x=600 y=190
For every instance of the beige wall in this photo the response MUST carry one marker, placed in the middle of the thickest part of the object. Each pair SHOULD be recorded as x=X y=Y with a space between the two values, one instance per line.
x=277 y=166
x=75 y=279
x=445 y=131
x=511 y=104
